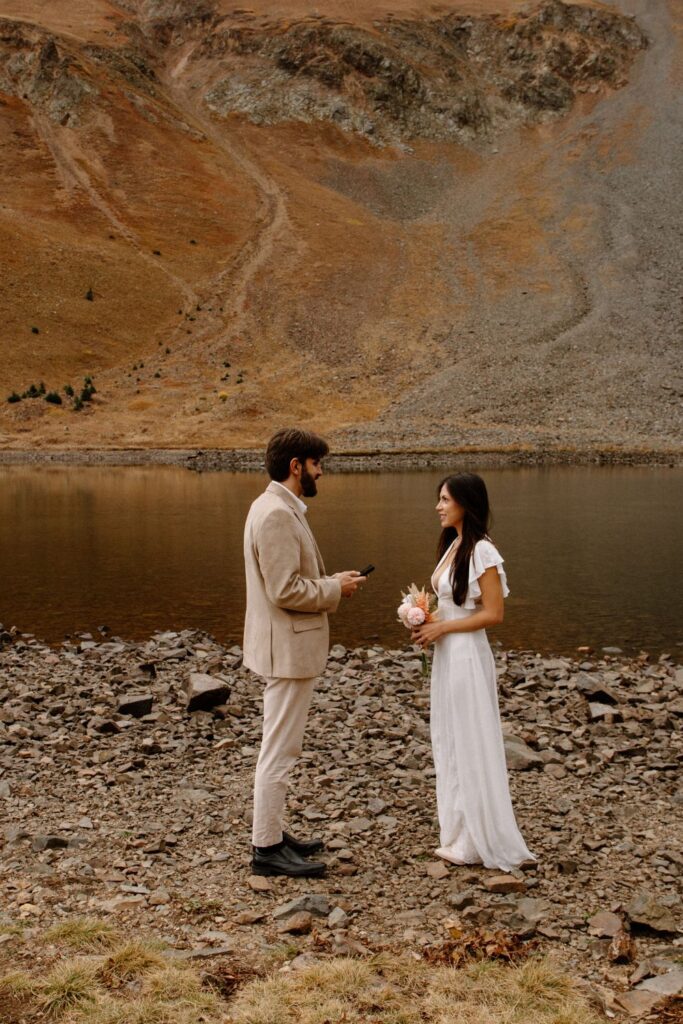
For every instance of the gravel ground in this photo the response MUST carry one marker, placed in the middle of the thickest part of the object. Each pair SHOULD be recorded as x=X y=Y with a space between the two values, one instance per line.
x=145 y=819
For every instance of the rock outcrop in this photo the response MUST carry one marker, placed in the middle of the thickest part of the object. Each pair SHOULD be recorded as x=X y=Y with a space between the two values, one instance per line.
x=454 y=77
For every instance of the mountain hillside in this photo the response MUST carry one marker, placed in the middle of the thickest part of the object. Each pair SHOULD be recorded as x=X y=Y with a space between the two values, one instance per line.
x=407 y=225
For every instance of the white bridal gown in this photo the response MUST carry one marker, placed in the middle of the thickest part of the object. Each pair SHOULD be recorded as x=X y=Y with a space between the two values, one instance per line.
x=476 y=819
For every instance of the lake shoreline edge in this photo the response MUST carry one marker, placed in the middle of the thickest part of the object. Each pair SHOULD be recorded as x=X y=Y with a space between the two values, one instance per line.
x=358 y=461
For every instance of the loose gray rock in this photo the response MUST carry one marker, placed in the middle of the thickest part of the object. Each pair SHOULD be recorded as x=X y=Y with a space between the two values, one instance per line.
x=299 y=923
x=40 y=843
x=519 y=756
x=527 y=914
x=645 y=910
x=312 y=903
x=205 y=692
x=338 y=918
x=669 y=984
x=604 y=924
x=136 y=704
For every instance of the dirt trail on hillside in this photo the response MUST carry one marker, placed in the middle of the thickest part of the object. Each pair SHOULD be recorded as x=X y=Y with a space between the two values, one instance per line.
x=230 y=285
x=71 y=165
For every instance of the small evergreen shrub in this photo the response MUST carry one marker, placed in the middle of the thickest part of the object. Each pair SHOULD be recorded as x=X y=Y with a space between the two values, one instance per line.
x=53 y=398
x=14 y=397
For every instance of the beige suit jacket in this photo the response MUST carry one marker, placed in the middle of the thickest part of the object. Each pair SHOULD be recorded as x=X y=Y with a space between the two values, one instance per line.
x=286 y=633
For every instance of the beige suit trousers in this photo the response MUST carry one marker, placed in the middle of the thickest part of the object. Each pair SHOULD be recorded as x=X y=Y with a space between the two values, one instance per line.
x=285 y=710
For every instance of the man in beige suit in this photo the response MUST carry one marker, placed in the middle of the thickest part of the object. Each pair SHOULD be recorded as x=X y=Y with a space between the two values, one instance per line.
x=286 y=636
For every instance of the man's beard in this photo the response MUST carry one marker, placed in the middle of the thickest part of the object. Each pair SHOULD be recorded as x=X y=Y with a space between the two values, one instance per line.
x=308 y=485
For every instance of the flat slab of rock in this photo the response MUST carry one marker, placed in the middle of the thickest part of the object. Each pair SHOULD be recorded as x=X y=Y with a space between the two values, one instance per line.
x=645 y=910
x=249 y=917
x=598 y=710
x=637 y=1003
x=338 y=918
x=259 y=883
x=604 y=924
x=359 y=825
x=202 y=953
x=669 y=984
x=437 y=869
x=205 y=692
x=312 y=903
x=527 y=914
x=596 y=690
x=519 y=755
x=296 y=924
x=505 y=883
x=136 y=704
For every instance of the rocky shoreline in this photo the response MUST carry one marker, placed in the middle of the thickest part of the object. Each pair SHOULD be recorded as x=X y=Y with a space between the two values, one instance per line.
x=370 y=461
x=125 y=786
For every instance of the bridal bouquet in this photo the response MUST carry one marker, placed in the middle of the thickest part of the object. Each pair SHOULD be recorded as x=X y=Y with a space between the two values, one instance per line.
x=416 y=608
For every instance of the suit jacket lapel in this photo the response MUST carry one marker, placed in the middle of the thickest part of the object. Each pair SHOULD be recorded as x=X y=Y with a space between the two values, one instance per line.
x=301 y=516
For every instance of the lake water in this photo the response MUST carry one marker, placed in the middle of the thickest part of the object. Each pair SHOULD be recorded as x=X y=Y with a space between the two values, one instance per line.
x=593 y=555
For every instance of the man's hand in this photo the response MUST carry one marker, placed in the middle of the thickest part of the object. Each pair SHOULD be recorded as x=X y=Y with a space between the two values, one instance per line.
x=350 y=581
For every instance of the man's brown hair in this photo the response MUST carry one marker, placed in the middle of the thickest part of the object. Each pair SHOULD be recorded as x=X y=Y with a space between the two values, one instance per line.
x=292 y=443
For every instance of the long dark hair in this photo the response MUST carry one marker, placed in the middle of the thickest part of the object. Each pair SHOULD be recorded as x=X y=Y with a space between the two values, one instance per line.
x=469 y=490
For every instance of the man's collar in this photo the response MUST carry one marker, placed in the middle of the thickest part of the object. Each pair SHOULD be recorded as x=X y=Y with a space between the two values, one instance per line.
x=275 y=487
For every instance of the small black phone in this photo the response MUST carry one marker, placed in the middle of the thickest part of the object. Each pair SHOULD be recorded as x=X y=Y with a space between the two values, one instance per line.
x=367 y=570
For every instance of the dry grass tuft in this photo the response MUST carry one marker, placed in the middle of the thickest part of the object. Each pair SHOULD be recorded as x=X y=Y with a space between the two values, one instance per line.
x=132 y=983
x=17 y=997
x=70 y=984
x=84 y=934
x=129 y=962
x=16 y=983
x=400 y=991
x=148 y=1010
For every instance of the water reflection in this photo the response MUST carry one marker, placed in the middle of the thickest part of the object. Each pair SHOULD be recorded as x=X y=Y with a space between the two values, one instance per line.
x=593 y=555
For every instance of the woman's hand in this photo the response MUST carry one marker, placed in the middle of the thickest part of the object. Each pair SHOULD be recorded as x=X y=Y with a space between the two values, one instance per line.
x=426 y=634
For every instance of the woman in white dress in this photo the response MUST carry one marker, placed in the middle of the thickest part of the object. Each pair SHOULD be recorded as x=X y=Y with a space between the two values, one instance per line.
x=476 y=819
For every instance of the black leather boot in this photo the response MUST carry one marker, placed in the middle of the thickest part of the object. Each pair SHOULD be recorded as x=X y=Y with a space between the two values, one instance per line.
x=304 y=847
x=283 y=860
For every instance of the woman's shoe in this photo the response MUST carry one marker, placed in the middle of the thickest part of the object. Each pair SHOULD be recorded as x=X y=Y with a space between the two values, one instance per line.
x=446 y=854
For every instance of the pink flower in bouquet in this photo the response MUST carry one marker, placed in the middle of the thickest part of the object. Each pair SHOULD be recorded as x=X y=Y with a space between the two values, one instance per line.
x=415 y=616
x=416 y=608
